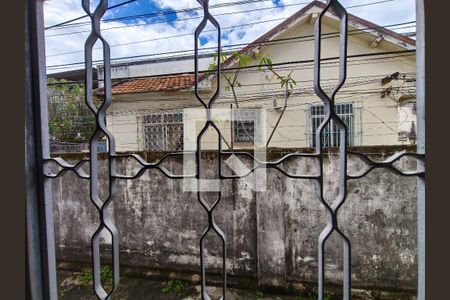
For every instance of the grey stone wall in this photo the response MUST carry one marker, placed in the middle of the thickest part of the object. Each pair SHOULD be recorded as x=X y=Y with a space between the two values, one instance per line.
x=271 y=236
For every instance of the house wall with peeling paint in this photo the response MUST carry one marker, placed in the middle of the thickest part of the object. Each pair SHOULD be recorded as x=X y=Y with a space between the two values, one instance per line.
x=376 y=117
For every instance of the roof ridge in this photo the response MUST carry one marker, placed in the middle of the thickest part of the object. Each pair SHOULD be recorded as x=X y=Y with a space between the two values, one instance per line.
x=158 y=77
x=266 y=36
x=151 y=84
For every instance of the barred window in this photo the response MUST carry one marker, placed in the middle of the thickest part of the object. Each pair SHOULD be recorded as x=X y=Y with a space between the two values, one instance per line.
x=331 y=134
x=163 y=131
x=244 y=125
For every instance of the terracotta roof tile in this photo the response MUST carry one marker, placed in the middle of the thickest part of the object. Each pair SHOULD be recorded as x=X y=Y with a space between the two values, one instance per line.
x=154 y=84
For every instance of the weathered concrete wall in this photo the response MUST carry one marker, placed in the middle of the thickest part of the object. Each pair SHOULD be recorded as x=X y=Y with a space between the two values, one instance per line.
x=271 y=236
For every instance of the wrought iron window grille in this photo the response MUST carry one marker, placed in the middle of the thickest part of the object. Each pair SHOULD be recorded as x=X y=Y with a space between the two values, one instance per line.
x=106 y=221
x=163 y=131
x=331 y=134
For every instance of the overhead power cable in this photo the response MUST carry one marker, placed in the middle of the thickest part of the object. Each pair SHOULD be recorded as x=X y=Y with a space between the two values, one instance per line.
x=277 y=41
x=305 y=66
x=153 y=14
x=149 y=55
x=169 y=37
x=82 y=17
x=379 y=77
x=392 y=54
x=243 y=44
x=199 y=17
x=179 y=20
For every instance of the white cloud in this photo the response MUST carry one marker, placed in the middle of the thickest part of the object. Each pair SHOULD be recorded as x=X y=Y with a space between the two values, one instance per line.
x=57 y=11
x=180 y=4
x=395 y=11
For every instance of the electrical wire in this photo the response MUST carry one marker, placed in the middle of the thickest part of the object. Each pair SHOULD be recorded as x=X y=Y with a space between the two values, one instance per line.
x=200 y=17
x=219 y=105
x=401 y=53
x=179 y=20
x=153 y=14
x=59 y=66
x=276 y=42
x=84 y=16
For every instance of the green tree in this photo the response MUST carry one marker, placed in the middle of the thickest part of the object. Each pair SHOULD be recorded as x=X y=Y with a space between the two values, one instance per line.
x=264 y=64
x=69 y=119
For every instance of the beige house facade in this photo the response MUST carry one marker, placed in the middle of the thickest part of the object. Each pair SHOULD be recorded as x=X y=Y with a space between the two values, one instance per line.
x=377 y=101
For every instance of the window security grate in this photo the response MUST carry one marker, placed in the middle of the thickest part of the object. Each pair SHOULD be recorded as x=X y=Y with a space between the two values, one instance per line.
x=163 y=131
x=106 y=221
x=244 y=125
x=331 y=134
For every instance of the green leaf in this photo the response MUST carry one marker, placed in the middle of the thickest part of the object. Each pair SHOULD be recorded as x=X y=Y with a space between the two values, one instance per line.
x=224 y=56
x=212 y=67
x=68 y=113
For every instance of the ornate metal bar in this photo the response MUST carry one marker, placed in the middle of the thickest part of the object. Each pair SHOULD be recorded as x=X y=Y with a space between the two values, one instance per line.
x=65 y=167
x=269 y=164
x=102 y=206
x=387 y=164
x=209 y=123
x=328 y=101
x=149 y=166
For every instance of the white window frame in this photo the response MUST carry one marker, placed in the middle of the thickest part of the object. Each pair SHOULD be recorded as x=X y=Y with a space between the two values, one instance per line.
x=163 y=121
x=249 y=119
x=330 y=137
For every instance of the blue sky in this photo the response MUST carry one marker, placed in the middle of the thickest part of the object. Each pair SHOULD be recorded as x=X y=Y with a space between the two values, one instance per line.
x=171 y=32
x=140 y=7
